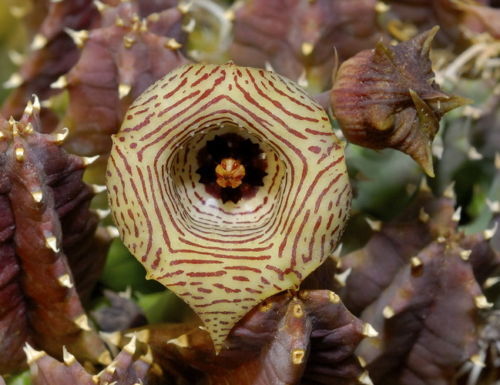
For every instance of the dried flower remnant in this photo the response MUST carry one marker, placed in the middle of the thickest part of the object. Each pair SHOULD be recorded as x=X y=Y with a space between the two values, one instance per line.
x=224 y=258
x=130 y=366
x=118 y=61
x=44 y=212
x=387 y=97
x=302 y=338
x=296 y=37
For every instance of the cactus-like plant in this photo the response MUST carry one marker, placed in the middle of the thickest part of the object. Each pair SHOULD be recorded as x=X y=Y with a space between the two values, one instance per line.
x=127 y=368
x=308 y=337
x=46 y=224
x=118 y=61
x=413 y=279
x=51 y=53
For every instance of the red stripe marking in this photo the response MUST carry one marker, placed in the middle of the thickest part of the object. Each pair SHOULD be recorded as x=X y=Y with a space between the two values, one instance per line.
x=189 y=68
x=217 y=312
x=172 y=274
x=160 y=217
x=204 y=96
x=296 y=101
x=155 y=263
x=199 y=70
x=314 y=132
x=278 y=104
x=225 y=288
x=171 y=93
x=330 y=221
x=158 y=212
x=206 y=274
x=151 y=98
x=145 y=216
x=124 y=160
x=143 y=183
x=193 y=262
x=142 y=112
x=309 y=193
x=124 y=196
x=240 y=278
x=325 y=190
x=172 y=106
x=243 y=268
x=253 y=291
x=257 y=249
x=298 y=235
x=308 y=258
x=276 y=270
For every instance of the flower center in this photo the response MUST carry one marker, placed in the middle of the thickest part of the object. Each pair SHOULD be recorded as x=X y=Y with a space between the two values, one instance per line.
x=231 y=167
x=230 y=173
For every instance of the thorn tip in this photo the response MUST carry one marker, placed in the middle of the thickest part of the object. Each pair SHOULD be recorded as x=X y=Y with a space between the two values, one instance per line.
x=82 y=322
x=388 y=312
x=68 y=358
x=32 y=355
x=369 y=330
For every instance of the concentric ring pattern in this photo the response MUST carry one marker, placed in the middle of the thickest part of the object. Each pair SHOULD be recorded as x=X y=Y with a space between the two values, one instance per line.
x=225 y=258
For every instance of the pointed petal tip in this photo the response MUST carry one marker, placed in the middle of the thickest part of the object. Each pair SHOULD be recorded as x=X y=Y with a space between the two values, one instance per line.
x=382 y=49
x=426 y=38
x=429 y=171
x=424 y=159
x=431 y=33
x=453 y=101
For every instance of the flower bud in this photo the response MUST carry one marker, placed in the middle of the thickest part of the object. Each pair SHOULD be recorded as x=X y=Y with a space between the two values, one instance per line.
x=387 y=97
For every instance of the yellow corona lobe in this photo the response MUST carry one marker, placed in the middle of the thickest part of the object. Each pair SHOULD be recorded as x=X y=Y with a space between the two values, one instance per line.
x=224 y=257
x=230 y=173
